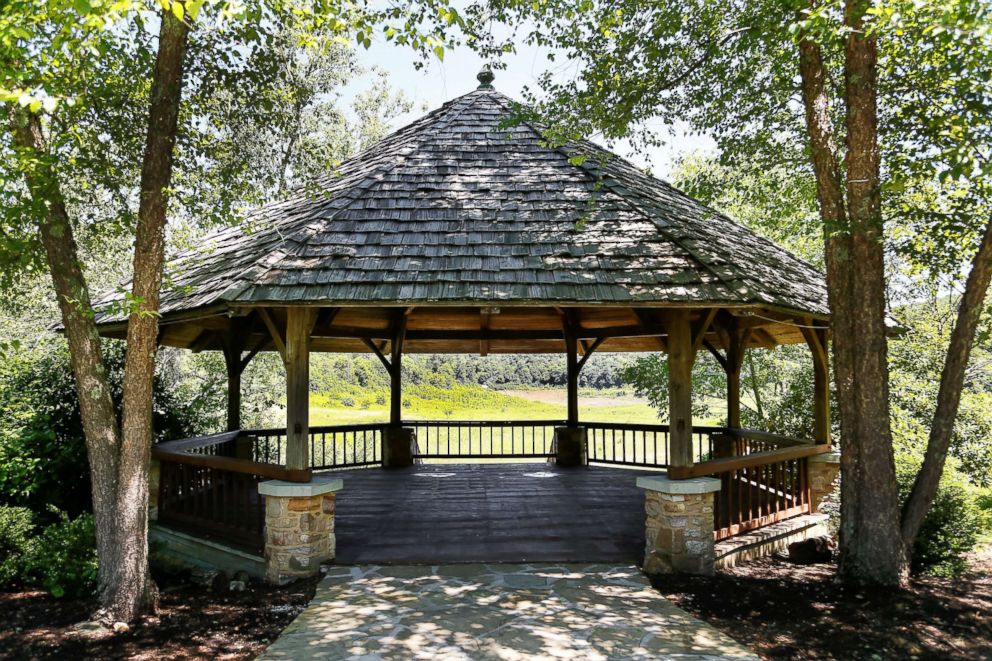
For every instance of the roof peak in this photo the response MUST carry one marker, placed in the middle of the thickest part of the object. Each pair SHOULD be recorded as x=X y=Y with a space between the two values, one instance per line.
x=485 y=78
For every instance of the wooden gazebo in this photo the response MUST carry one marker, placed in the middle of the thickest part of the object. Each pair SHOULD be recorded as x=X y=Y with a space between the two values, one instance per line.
x=464 y=233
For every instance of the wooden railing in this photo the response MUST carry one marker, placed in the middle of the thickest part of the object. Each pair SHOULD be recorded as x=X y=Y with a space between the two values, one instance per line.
x=209 y=487
x=647 y=445
x=331 y=446
x=758 y=488
x=451 y=439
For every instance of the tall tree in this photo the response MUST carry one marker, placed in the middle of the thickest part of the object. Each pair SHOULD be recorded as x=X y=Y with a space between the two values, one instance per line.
x=767 y=78
x=55 y=59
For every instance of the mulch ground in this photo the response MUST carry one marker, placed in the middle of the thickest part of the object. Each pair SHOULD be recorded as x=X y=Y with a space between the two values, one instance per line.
x=193 y=623
x=785 y=611
x=780 y=610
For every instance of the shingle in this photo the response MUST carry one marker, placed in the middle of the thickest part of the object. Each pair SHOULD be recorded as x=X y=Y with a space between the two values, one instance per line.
x=455 y=207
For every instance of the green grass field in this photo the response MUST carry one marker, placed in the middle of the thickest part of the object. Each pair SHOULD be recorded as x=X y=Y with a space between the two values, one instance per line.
x=471 y=402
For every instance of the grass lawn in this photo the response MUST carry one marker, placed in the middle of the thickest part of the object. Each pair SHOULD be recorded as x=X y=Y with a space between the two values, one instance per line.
x=477 y=403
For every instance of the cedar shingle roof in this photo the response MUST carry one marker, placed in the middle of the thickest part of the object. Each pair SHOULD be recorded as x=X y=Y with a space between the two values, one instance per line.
x=458 y=208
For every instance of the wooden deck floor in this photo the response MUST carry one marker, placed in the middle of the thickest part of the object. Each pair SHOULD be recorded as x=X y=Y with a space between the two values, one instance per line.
x=489 y=513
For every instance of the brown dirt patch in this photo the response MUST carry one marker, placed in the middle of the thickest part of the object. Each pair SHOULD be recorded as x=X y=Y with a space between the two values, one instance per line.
x=785 y=611
x=193 y=623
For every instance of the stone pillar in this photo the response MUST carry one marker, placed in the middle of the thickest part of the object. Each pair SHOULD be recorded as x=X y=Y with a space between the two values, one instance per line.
x=399 y=447
x=299 y=527
x=679 y=528
x=154 y=478
x=570 y=446
x=823 y=471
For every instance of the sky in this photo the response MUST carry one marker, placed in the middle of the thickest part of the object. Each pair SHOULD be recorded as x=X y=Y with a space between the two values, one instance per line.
x=439 y=82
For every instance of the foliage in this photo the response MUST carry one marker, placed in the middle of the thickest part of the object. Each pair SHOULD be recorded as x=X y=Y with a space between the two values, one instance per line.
x=16 y=539
x=916 y=359
x=955 y=521
x=63 y=559
x=42 y=453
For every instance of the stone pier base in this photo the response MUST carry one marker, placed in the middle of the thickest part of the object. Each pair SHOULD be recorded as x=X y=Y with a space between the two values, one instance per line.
x=679 y=525
x=823 y=471
x=299 y=527
x=570 y=446
x=399 y=446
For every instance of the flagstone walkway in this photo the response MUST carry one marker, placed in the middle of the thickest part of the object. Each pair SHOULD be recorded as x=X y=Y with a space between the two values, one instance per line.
x=506 y=612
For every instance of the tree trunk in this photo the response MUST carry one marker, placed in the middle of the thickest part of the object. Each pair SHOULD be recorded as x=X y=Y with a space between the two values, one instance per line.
x=100 y=428
x=869 y=533
x=132 y=589
x=949 y=395
x=872 y=548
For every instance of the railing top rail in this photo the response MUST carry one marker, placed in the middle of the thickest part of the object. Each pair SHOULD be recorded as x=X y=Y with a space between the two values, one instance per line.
x=648 y=426
x=319 y=429
x=185 y=444
x=765 y=436
x=484 y=423
x=730 y=464
x=179 y=452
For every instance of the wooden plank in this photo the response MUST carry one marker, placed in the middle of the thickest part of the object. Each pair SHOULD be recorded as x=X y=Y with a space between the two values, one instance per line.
x=457 y=513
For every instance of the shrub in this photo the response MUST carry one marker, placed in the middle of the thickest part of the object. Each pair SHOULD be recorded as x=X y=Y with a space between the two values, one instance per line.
x=42 y=452
x=952 y=526
x=63 y=560
x=348 y=401
x=16 y=539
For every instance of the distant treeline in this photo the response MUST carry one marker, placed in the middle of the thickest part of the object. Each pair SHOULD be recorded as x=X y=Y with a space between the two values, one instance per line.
x=329 y=372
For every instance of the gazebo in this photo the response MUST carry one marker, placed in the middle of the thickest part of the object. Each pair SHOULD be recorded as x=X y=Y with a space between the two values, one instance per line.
x=465 y=233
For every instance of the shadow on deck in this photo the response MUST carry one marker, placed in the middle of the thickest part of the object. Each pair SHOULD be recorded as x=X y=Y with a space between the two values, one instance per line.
x=452 y=513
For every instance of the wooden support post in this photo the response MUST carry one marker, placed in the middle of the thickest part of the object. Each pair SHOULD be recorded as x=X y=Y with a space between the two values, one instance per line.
x=816 y=338
x=569 y=324
x=735 y=359
x=680 y=359
x=395 y=373
x=299 y=323
x=233 y=363
x=234 y=345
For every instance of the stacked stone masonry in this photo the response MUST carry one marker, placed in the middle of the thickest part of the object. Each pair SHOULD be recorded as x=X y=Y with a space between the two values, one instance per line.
x=679 y=533
x=299 y=535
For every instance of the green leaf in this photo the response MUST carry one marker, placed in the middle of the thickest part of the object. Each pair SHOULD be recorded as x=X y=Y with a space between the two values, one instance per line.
x=439 y=51
x=178 y=10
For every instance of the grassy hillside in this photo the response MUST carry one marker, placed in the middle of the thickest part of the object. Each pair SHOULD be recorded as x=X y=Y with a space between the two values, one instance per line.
x=471 y=402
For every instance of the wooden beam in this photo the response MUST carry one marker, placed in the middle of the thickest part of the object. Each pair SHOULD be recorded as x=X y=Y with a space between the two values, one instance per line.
x=379 y=354
x=699 y=333
x=680 y=358
x=259 y=345
x=277 y=337
x=483 y=328
x=202 y=341
x=299 y=323
x=646 y=320
x=716 y=354
x=589 y=350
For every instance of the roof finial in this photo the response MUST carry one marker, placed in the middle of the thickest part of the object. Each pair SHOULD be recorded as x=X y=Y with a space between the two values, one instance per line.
x=486 y=78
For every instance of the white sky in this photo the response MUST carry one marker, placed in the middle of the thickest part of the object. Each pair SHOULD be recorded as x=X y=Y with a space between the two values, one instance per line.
x=439 y=82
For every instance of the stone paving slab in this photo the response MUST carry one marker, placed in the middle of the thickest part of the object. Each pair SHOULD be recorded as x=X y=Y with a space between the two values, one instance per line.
x=489 y=611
